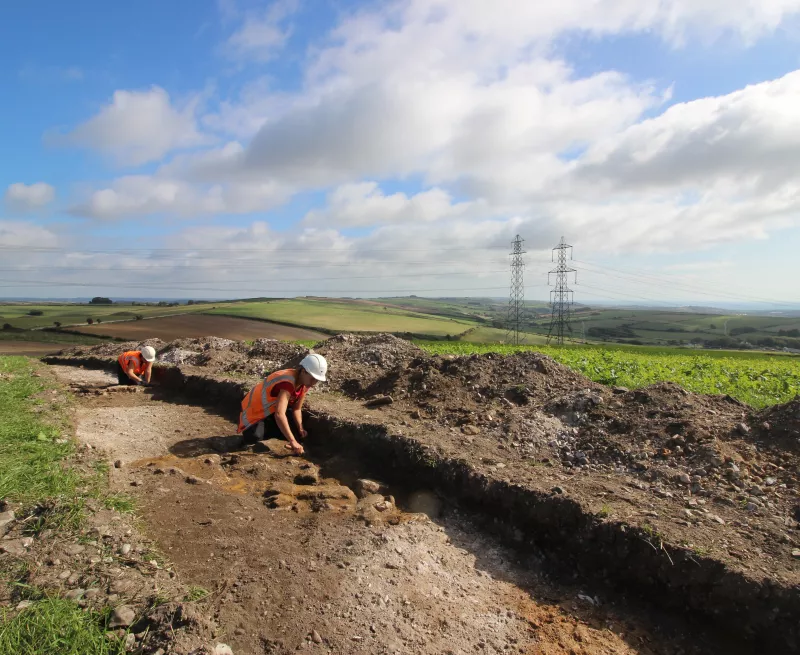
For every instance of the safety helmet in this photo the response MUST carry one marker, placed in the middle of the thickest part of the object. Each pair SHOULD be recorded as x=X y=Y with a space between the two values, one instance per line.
x=316 y=366
x=149 y=353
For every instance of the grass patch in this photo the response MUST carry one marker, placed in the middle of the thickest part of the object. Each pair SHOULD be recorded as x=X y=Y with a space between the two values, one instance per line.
x=53 y=625
x=120 y=502
x=31 y=452
x=195 y=594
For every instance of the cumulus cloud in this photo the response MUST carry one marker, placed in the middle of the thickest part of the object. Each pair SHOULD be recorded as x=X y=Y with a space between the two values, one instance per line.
x=470 y=100
x=750 y=137
x=22 y=197
x=141 y=195
x=364 y=204
x=262 y=34
x=137 y=127
x=21 y=234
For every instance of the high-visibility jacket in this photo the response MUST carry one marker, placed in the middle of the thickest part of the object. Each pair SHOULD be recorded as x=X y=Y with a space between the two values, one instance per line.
x=133 y=358
x=260 y=402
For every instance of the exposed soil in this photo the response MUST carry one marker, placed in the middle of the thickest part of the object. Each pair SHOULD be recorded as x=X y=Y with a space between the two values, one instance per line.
x=28 y=348
x=295 y=561
x=199 y=325
x=707 y=483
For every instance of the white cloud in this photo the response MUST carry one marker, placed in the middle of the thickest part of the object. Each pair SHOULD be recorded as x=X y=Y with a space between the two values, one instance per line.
x=29 y=197
x=20 y=234
x=747 y=141
x=471 y=98
x=364 y=204
x=138 y=127
x=141 y=195
x=263 y=34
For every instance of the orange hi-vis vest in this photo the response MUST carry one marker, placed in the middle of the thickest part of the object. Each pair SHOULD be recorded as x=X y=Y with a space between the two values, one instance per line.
x=133 y=358
x=259 y=403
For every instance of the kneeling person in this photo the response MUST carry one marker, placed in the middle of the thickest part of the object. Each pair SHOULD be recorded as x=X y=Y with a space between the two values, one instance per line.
x=136 y=366
x=265 y=408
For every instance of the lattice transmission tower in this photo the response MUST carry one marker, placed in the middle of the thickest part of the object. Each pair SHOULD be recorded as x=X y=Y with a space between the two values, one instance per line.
x=516 y=297
x=561 y=295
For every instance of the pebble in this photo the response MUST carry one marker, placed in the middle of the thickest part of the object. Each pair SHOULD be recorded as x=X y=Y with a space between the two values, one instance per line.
x=222 y=649
x=684 y=478
x=24 y=604
x=6 y=518
x=118 y=464
x=74 y=549
x=64 y=575
x=315 y=637
x=130 y=642
x=92 y=593
x=125 y=549
x=73 y=579
x=122 y=617
x=471 y=429
x=75 y=594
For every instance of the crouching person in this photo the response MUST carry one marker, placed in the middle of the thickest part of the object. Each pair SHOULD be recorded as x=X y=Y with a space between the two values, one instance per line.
x=265 y=410
x=136 y=366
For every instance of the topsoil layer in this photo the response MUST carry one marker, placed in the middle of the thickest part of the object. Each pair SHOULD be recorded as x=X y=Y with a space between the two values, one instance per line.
x=705 y=477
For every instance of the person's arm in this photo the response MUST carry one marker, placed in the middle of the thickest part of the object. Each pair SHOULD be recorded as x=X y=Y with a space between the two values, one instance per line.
x=133 y=375
x=298 y=417
x=148 y=371
x=283 y=423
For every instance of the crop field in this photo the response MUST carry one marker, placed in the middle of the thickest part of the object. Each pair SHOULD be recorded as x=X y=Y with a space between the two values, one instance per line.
x=344 y=316
x=200 y=325
x=759 y=380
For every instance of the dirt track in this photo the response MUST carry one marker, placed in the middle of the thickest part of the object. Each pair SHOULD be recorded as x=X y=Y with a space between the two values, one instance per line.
x=345 y=579
x=198 y=325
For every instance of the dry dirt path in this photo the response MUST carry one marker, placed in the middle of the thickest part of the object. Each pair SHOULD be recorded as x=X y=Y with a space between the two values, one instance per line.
x=324 y=573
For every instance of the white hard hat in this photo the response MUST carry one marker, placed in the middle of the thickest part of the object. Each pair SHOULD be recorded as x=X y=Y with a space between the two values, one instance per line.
x=316 y=366
x=149 y=353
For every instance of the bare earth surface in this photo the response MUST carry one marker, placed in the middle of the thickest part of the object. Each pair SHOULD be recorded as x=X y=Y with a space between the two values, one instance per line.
x=295 y=561
x=199 y=325
x=28 y=348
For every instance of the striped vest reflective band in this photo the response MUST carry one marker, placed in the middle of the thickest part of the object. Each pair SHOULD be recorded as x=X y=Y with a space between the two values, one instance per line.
x=257 y=404
x=132 y=358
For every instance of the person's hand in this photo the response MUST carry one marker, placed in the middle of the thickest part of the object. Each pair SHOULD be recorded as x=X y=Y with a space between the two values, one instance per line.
x=303 y=433
x=296 y=448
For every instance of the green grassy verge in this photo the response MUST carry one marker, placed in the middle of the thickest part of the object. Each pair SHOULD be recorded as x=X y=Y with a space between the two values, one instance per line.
x=759 y=380
x=31 y=450
x=56 y=626
x=34 y=471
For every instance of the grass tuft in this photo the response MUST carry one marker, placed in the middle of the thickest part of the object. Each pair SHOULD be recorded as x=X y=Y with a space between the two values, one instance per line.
x=53 y=625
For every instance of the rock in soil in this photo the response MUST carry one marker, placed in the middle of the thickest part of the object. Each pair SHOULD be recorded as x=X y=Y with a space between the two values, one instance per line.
x=274 y=447
x=364 y=487
x=122 y=617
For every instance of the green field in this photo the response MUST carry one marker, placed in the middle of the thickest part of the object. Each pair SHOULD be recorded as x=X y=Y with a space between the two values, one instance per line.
x=759 y=380
x=346 y=316
x=19 y=315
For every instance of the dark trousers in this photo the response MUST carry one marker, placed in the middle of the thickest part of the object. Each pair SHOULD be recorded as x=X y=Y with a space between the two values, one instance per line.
x=122 y=376
x=271 y=429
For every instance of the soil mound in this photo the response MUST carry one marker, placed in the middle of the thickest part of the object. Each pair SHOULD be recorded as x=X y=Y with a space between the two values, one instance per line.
x=356 y=361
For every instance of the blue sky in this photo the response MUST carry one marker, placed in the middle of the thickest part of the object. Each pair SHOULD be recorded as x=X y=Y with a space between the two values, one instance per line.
x=294 y=140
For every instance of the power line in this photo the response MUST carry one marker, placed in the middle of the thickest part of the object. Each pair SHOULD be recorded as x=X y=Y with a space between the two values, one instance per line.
x=562 y=296
x=643 y=277
x=516 y=300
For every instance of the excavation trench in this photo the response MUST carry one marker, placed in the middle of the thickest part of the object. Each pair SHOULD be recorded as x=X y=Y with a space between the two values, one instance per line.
x=544 y=535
